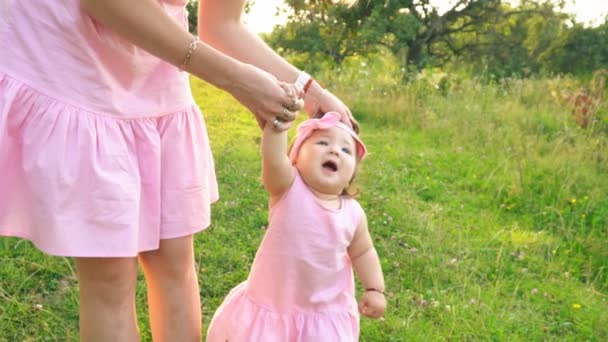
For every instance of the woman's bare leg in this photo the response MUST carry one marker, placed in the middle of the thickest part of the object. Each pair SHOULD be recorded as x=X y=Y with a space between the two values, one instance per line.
x=107 y=299
x=173 y=292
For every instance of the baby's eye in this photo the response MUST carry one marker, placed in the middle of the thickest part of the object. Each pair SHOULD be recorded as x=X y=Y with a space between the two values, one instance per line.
x=346 y=150
x=322 y=142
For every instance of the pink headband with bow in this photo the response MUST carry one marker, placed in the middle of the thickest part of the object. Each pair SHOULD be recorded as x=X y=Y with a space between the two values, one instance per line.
x=329 y=120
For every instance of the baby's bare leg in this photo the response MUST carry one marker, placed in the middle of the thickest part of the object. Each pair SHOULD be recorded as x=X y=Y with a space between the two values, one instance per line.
x=173 y=292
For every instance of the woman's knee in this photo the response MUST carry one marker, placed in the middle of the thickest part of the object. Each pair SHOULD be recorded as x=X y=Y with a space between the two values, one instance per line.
x=174 y=260
x=107 y=278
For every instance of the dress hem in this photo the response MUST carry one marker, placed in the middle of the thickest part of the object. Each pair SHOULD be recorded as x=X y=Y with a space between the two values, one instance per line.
x=8 y=233
x=66 y=103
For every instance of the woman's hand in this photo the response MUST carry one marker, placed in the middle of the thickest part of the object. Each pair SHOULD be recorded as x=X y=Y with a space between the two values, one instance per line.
x=320 y=101
x=372 y=304
x=269 y=99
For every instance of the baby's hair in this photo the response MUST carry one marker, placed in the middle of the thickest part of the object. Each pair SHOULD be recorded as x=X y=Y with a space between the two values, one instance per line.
x=352 y=189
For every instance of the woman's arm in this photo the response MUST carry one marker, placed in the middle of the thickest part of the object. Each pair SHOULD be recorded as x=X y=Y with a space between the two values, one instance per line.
x=221 y=26
x=146 y=25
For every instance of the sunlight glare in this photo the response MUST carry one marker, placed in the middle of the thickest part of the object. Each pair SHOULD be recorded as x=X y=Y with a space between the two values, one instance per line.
x=262 y=17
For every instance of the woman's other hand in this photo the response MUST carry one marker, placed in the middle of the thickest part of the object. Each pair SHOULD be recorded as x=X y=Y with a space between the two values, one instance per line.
x=320 y=101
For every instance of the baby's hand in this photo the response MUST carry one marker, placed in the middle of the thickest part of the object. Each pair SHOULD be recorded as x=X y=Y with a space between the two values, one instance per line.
x=372 y=304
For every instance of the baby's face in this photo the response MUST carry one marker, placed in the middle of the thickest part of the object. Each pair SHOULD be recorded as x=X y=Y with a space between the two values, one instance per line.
x=327 y=160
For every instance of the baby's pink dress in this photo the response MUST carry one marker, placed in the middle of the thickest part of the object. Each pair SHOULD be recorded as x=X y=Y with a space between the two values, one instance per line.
x=103 y=151
x=301 y=286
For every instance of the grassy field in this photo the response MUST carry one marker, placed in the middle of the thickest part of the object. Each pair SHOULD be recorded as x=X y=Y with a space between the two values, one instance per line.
x=487 y=204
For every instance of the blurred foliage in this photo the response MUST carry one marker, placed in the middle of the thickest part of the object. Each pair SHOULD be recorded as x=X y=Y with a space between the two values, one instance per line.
x=489 y=37
x=192 y=8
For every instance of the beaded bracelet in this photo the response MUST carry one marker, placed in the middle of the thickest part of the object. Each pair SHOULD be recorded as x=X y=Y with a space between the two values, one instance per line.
x=191 y=49
x=308 y=84
x=373 y=289
x=303 y=80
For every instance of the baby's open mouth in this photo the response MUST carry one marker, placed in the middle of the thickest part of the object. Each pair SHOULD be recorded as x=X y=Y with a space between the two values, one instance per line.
x=330 y=165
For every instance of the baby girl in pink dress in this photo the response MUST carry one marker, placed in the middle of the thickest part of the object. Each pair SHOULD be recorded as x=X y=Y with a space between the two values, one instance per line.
x=301 y=285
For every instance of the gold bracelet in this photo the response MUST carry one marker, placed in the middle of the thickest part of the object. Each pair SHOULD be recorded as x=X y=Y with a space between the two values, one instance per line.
x=191 y=48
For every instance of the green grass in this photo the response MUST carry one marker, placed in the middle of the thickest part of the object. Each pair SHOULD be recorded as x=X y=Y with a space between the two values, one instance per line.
x=488 y=206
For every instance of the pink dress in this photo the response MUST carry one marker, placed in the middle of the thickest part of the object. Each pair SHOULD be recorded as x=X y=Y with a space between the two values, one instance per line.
x=301 y=286
x=103 y=151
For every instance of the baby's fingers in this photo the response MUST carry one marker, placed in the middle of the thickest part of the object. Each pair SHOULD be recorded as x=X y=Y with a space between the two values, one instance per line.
x=366 y=310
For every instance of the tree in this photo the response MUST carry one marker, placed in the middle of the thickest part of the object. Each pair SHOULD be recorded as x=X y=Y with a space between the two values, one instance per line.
x=581 y=50
x=413 y=30
x=514 y=42
x=339 y=31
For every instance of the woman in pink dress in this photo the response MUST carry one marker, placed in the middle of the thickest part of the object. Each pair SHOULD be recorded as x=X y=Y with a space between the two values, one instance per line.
x=301 y=288
x=104 y=155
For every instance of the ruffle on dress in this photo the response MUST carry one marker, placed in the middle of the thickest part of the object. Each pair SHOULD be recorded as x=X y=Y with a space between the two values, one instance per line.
x=86 y=184
x=244 y=320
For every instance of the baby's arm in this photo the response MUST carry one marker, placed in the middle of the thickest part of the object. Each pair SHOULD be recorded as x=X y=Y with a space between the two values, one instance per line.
x=367 y=267
x=277 y=171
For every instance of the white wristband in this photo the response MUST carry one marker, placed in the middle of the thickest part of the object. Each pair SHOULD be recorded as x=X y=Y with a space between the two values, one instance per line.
x=302 y=79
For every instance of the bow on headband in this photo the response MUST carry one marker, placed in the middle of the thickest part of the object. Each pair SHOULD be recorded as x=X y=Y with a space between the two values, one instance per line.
x=329 y=120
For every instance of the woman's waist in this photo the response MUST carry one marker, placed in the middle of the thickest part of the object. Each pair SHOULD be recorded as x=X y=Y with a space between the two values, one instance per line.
x=97 y=97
